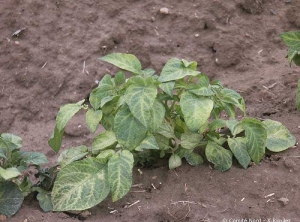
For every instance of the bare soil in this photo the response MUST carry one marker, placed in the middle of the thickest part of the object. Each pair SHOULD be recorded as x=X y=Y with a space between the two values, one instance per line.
x=235 y=41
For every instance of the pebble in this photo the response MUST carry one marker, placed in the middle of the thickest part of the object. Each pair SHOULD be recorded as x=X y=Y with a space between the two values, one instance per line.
x=164 y=11
x=153 y=19
x=17 y=43
x=2 y=217
x=283 y=200
x=272 y=12
x=197 y=35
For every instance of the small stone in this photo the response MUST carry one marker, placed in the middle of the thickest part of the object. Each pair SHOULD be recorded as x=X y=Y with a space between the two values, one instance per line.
x=152 y=19
x=17 y=43
x=272 y=12
x=288 y=1
x=197 y=35
x=2 y=217
x=283 y=200
x=164 y=11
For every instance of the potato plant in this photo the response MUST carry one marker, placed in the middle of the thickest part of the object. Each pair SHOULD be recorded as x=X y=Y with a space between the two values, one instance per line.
x=292 y=40
x=15 y=180
x=177 y=115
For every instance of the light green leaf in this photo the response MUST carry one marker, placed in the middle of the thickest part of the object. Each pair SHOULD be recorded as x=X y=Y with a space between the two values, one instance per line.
x=93 y=119
x=120 y=174
x=239 y=149
x=202 y=91
x=105 y=155
x=140 y=100
x=9 y=173
x=194 y=159
x=168 y=87
x=166 y=130
x=65 y=113
x=107 y=99
x=34 y=158
x=291 y=39
x=56 y=139
x=103 y=141
x=234 y=126
x=217 y=124
x=149 y=143
x=106 y=80
x=174 y=161
x=256 y=136
x=107 y=122
x=72 y=154
x=219 y=156
x=293 y=55
x=190 y=140
x=80 y=185
x=279 y=138
x=11 y=198
x=124 y=61
x=12 y=141
x=129 y=131
x=174 y=69
x=157 y=115
x=120 y=78
x=196 y=110
x=191 y=65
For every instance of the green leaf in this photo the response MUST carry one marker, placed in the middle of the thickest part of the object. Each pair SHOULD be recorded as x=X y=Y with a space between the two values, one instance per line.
x=65 y=113
x=140 y=100
x=293 y=55
x=157 y=115
x=120 y=174
x=103 y=141
x=129 y=131
x=162 y=141
x=196 y=110
x=232 y=97
x=56 y=139
x=44 y=198
x=11 y=198
x=100 y=93
x=107 y=122
x=105 y=155
x=174 y=161
x=120 y=78
x=72 y=154
x=12 y=141
x=190 y=140
x=107 y=99
x=124 y=61
x=219 y=156
x=239 y=149
x=279 y=138
x=25 y=186
x=168 y=87
x=80 y=185
x=256 y=136
x=106 y=80
x=166 y=130
x=149 y=143
x=194 y=159
x=291 y=39
x=148 y=72
x=34 y=158
x=93 y=119
x=9 y=173
x=174 y=69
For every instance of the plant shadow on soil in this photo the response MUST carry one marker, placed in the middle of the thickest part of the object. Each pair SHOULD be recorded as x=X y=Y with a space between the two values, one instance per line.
x=234 y=41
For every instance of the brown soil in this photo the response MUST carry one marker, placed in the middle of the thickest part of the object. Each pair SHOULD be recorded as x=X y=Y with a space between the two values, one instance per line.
x=235 y=41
